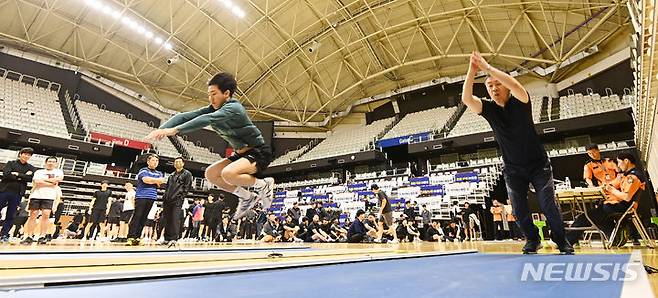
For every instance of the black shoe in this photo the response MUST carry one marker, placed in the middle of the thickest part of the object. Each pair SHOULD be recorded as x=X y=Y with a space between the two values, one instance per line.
x=565 y=248
x=4 y=239
x=27 y=241
x=531 y=247
x=42 y=240
x=636 y=242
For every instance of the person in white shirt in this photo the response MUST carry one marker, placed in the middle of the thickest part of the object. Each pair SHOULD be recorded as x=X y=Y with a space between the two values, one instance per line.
x=45 y=191
x=147 y=233
x=126 y=213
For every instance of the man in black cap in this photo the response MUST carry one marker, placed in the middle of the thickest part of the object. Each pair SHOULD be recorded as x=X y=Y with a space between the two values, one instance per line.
x=385 y=214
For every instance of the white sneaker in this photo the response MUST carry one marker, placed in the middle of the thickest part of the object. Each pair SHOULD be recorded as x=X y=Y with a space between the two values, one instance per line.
x=394 y=241
x=266 y=193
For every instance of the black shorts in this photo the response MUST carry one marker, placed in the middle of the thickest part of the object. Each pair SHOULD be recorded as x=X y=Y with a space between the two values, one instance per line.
x=150 y=223
x=126 y=215
x=97 y=215
x=40 y=204
x=113 y=220
x=262 y=156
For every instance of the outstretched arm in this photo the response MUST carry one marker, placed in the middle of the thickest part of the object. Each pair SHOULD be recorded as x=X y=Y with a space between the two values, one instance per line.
x=185 y=123
x=508 y=81
x=473 y=103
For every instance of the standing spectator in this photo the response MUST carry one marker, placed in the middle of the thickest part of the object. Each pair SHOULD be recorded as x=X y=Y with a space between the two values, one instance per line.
x=357 y=232
x=497 y=212
x=427 y=218
x=15 y=176
x=148 y=181
x=514 y=232
x=45 y=191
x=98 y=210
x=248 y=223
x=295 y=212
x=197 y=218
x=468 y=224
x=21 y=218
x=126 y=213
x=114 y=217
x=212 y=215
x=179 y=185
x=149 y=225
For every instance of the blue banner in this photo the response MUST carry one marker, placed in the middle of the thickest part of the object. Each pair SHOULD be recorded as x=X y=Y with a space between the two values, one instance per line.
x=423 y=136
x=419 y=181
x=357 y=186
x=432 y=190
x=367 y=193
x=467 y=177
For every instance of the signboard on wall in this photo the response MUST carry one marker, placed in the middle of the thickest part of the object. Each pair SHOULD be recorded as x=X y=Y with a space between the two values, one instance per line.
x=119 y=141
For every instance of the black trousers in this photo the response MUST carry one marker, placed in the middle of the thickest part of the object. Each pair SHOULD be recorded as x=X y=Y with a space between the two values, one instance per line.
x=498 y=229
x=356 y=238
x=517 y=181
x=171 y=220
x=142 y=208
x=97 y=217
x=212 y=225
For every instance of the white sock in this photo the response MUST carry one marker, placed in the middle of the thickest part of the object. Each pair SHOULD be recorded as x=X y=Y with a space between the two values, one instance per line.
x=260 y=183
x=241 y=192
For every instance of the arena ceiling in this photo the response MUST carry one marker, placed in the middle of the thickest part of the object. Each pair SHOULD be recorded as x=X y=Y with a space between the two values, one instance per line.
x=360 y=48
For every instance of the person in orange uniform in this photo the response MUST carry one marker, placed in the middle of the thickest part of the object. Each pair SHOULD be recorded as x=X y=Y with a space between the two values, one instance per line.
x=618 y=198
x=597 y=171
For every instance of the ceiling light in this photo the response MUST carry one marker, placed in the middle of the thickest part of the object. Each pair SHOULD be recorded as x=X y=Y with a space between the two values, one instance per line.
x=168 y=46
x=148 y=34
x=158 y=40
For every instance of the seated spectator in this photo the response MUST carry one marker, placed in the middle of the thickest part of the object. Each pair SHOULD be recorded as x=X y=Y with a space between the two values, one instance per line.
x=401 y=229
x=271 y=231
x=303 y=229
x=226 y=230
x=315 y=233
x=72 y=230
x=337 y=232
x=326 y=229
x=452 y=232
x=412 y=232
x=357 y=232
x=290 y=229
x=433 y=234
x=371 y=225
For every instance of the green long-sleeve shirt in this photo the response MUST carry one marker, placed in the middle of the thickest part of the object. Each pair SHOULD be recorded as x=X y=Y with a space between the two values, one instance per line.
x=230 y=121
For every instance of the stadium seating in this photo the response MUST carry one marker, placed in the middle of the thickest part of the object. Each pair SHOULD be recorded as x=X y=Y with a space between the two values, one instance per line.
x=348 y=141
x=578 y=105
x=31 y=108
x=199 y=153
x=289 y=156
x=95 y=119
x=419 y=122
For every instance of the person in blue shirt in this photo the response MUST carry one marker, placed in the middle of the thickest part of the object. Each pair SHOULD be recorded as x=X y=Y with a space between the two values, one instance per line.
x=148 y=181
x=226 y=116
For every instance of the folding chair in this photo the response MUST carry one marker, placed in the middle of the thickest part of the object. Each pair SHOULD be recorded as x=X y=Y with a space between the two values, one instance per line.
x=630 y=213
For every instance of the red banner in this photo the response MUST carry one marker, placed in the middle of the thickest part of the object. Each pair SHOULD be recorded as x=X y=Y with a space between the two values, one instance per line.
x=119 y=141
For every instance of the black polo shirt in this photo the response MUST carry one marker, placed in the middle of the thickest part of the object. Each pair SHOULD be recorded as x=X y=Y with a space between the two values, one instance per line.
x=515 y=133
